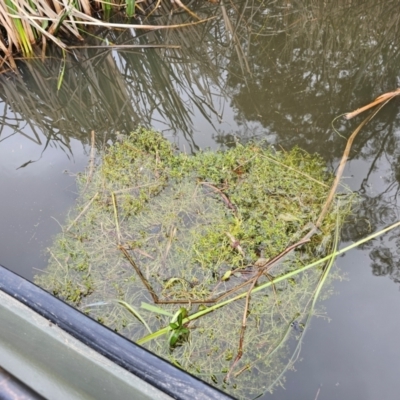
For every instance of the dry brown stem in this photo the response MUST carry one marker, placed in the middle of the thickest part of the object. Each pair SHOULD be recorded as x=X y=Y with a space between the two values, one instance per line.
x=379 y=100
x=82 y=212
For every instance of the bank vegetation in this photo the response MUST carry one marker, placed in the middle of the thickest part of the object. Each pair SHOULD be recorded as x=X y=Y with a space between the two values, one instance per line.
x=24 y=24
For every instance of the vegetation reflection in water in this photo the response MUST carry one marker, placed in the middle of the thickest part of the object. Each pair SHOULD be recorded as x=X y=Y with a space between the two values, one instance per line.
x=281 y=71
x=198 y=229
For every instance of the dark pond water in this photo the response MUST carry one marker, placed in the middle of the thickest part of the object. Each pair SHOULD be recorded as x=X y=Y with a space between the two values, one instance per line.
x=281 y=71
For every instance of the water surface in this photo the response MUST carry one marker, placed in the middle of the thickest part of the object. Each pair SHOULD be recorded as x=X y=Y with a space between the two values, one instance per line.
x=280 y=72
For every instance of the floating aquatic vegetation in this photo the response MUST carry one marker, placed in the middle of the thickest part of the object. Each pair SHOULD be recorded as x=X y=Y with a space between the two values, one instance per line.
x=159 y=236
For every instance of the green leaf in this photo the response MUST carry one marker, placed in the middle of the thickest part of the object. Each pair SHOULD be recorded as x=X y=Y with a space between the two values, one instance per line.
x=184 y=312
x=173 y=338
x=226 y=276
x=155 y=309
x=130 y=8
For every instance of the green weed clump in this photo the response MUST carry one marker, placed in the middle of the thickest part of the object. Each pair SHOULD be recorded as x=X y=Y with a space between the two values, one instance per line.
x=156 y=225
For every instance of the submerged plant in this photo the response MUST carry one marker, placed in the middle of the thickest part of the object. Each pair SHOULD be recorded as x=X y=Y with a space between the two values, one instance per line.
x=199 y=236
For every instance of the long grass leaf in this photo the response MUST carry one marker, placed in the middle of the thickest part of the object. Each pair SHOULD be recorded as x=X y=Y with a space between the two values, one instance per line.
x=155 y=309
x=135 y=313
x=130 y=8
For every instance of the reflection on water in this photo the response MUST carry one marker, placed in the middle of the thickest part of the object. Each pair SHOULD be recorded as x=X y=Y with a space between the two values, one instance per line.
x=282 y=72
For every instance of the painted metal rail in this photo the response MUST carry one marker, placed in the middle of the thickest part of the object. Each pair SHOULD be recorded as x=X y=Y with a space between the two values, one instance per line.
x=51 y=350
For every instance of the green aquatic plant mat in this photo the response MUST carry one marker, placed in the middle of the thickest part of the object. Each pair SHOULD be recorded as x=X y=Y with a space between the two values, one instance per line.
x=158 y=235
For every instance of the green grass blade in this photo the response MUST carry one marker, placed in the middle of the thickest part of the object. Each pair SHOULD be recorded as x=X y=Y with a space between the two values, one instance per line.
x=107 y=10
x=135 y=313
x=130 y=8
x=22 y=36
x=155 y=309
